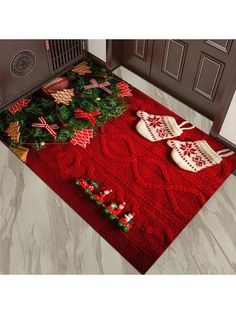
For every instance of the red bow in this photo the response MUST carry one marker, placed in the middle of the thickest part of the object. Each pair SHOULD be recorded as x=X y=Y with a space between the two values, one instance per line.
x=95 y=84
x=79 y=113
x=49 y=128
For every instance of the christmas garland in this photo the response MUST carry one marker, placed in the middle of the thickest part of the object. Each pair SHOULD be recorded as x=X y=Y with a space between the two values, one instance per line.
x=67 y=109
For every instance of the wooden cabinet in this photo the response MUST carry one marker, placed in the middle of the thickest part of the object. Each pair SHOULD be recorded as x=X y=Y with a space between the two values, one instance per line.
x=62 y=54
x=201 y=73
x=23 y=66
x=27 y=64
x=2 y=99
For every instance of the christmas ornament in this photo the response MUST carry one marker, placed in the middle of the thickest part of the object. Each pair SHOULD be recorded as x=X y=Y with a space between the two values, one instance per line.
x=95 y=84
x=20 y=152
x=57 y=84
x=13 y=131
x=126 y=222
x=48 y=127
x=82 y=68
x=195 y=156
x=124 y=90
x=156 y=128
x=114 y=210
x=19 y=105
x=99 y=198
x=82 y=137
x=79 y=113
x=63 y=96
x=87 y=185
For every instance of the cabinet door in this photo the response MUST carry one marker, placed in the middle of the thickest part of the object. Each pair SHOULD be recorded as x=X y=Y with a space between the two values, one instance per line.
x=64 y=53
x=23 y=66
x=137 y=56
x=198 y=72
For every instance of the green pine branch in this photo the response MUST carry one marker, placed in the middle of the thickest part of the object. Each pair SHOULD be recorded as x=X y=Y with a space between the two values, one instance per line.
x=88 y=100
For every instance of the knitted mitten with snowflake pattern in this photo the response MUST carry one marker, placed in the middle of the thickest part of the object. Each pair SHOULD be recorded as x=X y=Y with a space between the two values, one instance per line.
x=195 y=156
x=155 y=128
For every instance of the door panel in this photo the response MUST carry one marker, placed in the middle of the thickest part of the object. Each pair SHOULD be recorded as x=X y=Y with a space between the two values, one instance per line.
x=195 y=71
x=137 y=56
x=140 y=48
x=223 y=45
x=174 y=57
x=208 y=76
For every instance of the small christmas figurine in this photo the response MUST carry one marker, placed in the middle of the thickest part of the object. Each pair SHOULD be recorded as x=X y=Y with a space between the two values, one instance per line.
x=114 y=210
x=87 y=185
x=99 y=198
x=126 y=222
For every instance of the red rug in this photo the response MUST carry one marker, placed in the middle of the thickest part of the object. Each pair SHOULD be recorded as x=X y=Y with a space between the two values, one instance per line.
x=141 y=173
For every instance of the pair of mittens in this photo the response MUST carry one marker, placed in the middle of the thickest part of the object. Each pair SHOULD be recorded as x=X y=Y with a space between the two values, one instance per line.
x=190 y=156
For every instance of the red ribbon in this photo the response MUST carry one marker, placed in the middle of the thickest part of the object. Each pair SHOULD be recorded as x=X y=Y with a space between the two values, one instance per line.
x=49 y=128
x=95 y=84
x=79 y=113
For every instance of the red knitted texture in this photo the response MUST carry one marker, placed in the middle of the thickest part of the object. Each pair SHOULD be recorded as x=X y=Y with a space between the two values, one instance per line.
x=139 y=172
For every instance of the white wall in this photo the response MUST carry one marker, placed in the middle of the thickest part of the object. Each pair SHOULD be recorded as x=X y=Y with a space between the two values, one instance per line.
x=98 y=48
x=228 y=129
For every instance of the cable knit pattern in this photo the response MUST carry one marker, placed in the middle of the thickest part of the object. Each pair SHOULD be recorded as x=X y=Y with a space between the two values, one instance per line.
x=141 y=173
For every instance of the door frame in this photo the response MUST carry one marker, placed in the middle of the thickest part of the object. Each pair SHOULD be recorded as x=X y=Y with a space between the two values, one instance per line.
x=114 y=48
x=220 y=117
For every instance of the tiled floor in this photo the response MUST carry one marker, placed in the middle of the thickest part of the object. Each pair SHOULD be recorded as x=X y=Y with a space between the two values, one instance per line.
x=40 y=234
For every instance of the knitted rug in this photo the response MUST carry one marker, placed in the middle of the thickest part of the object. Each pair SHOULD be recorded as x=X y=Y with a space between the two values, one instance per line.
x=139 y=172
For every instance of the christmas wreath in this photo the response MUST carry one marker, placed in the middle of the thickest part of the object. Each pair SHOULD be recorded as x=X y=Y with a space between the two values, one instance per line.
x=69 y=108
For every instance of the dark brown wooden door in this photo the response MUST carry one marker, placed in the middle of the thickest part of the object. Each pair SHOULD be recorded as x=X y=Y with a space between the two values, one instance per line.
x=198 y=72
x=137 y=56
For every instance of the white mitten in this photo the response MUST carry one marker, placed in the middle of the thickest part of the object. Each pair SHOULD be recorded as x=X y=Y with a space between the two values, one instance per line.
x=156 y=128
x=195 y=156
